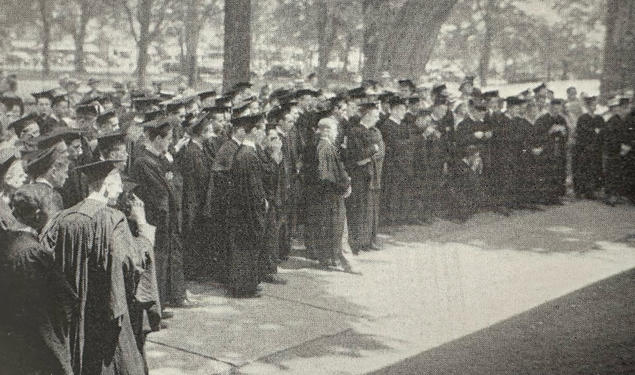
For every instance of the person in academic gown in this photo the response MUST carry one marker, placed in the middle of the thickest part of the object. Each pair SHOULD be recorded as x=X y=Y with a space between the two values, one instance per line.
x=428 y=160
x=157 y=190
x=618 y=146
x=518 y=156
x=398 y=154
x=218 y=204
x=37 y=300
x=195 y=167
x=95 y=250
x=364 y=158
x=330 y=185
x=587 y=152
x=248 y=210
x=551 y=134
x=45 y=168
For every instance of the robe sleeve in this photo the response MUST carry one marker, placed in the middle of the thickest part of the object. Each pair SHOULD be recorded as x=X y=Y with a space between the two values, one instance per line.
x=328 y=171
x=153 y=190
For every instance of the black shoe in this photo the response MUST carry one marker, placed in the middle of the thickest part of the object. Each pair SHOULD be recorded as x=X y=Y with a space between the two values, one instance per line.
x=164 y=325
x=270 y=279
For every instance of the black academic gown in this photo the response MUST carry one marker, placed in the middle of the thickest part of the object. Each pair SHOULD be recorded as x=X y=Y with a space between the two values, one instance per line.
x=217 y=208
x=247 y=219
x=587 y=155
x=360 y=150
x=397 y=173
x=37 y=306
x=550 y=167
x=158 y=190
x=272 y=183
x=94 y=249
x=196 y=168
x=428 y=160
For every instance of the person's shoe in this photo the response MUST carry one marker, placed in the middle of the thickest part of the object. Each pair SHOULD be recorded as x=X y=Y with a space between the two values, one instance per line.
x=164 y=325
x=167 y=314
x=270 y=279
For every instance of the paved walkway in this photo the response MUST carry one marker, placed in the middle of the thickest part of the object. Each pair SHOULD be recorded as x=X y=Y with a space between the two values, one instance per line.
x=429 y=286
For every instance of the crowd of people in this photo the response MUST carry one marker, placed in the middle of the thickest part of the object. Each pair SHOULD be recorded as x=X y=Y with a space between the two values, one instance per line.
x=112 y=199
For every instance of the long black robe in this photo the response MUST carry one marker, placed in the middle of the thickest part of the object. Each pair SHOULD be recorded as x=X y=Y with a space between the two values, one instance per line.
x=587 y=154
x=158 y=190
x=619 y=168
x=360 y=148
x=397 y=173
x=94 y=249
x=550 y=167
x=217 y=209
x=271 y=178
x=196 y=168
x=428 y=160
x=288 y=194
x=37 y=306
x=504 y=158
x=247 y=220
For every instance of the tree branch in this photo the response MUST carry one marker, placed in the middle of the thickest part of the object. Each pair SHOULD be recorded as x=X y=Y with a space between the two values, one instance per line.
x=157 y=26
x=130 y=17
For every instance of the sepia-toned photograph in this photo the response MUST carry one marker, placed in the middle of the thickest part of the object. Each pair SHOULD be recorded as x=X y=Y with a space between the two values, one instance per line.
x=300 y=187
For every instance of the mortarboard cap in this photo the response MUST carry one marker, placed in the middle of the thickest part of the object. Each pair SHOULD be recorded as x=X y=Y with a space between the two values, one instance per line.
x=540 y=87
x=406 y=83
x=557 y=102
x=514 y=100
x=206 y=94
x=383 y=97
x=242 y=85
x=105 y=116
x=306 y=92
x=11 y=101
x=590 y=99
x=413 y=100
x=438 y=89
x=247 y=122
x=48 y=94
x=98 y=170
x=160 y=122
x=24 y=121
x=490 y=94
x=87 y=110
x=216 y=109
x=152 y=115
x=396 y=100
x=56 y=136
x=105 y=141
x=58 y=99
x=39 y=162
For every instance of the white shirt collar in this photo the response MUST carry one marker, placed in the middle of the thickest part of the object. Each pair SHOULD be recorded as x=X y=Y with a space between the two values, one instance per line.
x=97 y=197
x=236 y=140
x=282 y=133
x=42 y=180
x=249 y=143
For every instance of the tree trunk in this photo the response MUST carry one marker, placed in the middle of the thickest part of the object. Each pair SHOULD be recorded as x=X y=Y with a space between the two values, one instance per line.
x=412 y=37
x=192 y=30
x=144 y=15
x=46 y=35
x=483 y=65
x=326 y=37
x=618 y=73
x=79 y=37
x=376 y=16
x=237 y=42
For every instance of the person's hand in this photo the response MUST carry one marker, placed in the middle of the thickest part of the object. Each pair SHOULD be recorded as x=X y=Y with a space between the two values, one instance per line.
x=479 y=134
x=536 y=151
x=363 y=162
x=376 y=147
x=488 y=134
x=348 y=192
x=181 y=142
x=624 y=149
x=137 y=210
